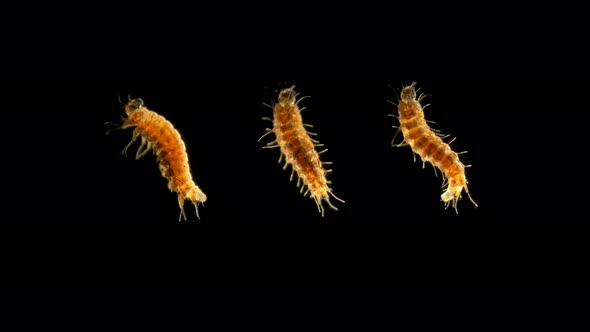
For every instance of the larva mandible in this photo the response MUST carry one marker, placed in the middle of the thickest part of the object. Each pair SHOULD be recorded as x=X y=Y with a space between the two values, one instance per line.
x=159 y=135
x=427 y=143
x=298 y=148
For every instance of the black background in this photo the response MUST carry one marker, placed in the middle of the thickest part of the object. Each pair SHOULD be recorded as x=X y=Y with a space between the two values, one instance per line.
x=76 y=213
x=79 y=213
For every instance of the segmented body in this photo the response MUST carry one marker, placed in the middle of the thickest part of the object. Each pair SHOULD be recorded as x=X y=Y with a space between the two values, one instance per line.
x=159 y=135
x=430 y=147
x=298 y=148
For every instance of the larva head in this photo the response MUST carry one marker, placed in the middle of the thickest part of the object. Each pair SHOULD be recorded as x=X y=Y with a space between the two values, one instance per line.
x=409 y=92
x=288 y=96
x=133 y=105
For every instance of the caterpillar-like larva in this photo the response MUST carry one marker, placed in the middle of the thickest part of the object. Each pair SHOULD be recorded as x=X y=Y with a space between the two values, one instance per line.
x=429 y=146
x=298 y=148
x=159 y=135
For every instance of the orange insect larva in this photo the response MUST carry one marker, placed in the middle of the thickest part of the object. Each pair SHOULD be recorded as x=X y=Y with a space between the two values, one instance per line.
x=159 y=135
x=429 y=145
x=298 y=148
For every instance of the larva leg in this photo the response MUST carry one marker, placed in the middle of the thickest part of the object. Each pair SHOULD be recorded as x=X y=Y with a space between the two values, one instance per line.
x=136 y=134
x=402 y=144
x=145 y=151
x=141 y=146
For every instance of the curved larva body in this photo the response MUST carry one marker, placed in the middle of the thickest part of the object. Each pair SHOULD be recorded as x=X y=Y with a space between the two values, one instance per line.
x=430 y=146
x=299 y=149
x=159 y=135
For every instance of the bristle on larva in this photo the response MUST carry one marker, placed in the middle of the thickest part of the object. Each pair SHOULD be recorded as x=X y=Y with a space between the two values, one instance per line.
x=160 y=136
x=298 y=148
x=428 y=144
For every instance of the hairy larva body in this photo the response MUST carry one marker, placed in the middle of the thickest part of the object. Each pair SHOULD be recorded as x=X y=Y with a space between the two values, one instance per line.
x=429 y=145
x=298 y=148
x=159 y=135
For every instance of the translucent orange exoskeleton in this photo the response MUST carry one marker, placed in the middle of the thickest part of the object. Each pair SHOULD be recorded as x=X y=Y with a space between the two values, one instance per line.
x=429 y=145
x=298 y=148
x=159 y=135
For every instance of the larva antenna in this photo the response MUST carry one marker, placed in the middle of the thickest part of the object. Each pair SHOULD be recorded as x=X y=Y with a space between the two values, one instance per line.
x=406 y=85
x=422 y=96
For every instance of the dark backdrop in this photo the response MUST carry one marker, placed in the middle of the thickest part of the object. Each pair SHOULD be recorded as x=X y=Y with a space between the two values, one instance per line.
x=77 y=212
